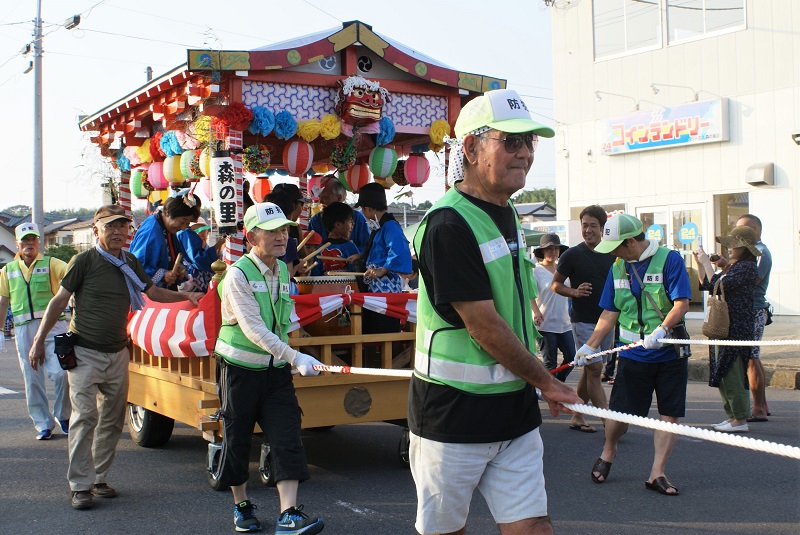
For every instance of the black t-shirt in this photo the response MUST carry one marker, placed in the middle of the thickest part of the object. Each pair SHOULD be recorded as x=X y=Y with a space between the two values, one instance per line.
x=452 y=267
x=580 y=264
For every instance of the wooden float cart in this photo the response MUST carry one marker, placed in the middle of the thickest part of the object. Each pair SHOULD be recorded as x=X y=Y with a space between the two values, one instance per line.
x=311 y=78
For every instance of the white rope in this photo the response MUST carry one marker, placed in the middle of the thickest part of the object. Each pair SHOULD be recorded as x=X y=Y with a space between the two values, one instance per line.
x=730 y=342
x=678 y=429
x=688 y=431
x=363 y=371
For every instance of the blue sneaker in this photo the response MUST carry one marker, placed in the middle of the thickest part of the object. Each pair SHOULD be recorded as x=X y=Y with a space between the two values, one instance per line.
x=64 y=425
x=244 y=517
x=44 y=435
x=294 y=521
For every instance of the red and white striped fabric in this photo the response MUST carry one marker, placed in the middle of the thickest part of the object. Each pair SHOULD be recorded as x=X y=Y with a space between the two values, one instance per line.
x=183 y=330
x=177 y=329
x=401 y=306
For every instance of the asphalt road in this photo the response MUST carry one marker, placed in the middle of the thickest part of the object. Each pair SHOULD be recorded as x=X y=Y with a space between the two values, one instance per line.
x=359 y=486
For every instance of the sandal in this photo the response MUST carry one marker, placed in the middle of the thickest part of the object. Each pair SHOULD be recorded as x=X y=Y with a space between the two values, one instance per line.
x=661 y=485
x=585 y=428
x=603 y=468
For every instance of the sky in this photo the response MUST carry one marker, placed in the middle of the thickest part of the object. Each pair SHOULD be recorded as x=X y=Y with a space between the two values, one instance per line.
x=105 y=58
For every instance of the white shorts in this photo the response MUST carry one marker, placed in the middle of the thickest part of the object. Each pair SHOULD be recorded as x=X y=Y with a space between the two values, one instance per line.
x=508 y=474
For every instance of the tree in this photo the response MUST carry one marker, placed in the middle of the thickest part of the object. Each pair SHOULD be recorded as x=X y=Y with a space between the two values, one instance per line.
x=62 y=252
x=18 y=210
x=547 y=195
x=424 y=205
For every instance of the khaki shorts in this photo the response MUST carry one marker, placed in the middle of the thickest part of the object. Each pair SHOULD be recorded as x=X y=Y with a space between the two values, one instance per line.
x=508 y=474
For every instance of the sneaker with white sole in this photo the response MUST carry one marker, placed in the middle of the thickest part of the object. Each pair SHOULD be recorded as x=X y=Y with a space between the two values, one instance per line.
x=244 y=517
x=45 y=434
x=294 y=521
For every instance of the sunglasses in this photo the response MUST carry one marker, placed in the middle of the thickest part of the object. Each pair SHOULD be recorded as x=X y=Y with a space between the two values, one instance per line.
x=513 y=142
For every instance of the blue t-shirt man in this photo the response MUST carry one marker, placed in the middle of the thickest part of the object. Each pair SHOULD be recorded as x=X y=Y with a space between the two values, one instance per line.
x=676 y=285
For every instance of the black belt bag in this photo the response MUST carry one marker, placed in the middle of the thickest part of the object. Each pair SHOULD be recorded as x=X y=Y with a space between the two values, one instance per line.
x=65 y=350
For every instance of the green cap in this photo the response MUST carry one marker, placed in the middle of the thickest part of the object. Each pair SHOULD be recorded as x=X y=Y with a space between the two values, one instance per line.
x=265 y=215
x=503 y=110
x=617 y=229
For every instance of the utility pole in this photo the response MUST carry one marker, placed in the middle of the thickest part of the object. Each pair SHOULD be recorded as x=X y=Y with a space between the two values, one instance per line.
x=38 y=170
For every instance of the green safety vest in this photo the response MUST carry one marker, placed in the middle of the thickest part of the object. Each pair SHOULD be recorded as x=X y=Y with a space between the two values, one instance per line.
x=29 y=299
x=637 y=317
x=446 y=353
x=232 y=345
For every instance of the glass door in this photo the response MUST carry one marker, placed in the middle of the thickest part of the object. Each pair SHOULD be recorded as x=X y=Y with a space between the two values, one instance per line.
x=678 y=227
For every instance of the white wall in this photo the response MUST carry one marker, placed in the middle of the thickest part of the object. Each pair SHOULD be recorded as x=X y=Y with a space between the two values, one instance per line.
x=757 y=69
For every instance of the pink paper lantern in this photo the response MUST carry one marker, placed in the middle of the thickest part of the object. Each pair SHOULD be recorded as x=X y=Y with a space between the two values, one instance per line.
x=156 y=176
x=357 y=177
x=298 y=157
x=417 y=170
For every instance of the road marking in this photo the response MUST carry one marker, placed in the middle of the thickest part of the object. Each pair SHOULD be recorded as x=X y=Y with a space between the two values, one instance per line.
x=361 y=511
x=6 y=391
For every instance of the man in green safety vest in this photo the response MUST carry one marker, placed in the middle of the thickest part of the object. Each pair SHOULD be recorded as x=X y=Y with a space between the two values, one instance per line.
x=647 y=292
x=473 y=409
x=255 y=372
x=28 y=283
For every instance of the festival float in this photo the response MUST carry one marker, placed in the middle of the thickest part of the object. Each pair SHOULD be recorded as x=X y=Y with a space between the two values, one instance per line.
x=348 y=104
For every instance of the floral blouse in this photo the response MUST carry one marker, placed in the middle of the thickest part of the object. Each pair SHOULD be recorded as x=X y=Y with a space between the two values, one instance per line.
x=739 y=282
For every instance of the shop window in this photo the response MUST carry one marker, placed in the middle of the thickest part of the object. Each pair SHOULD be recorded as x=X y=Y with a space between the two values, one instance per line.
x=625 y=26
x=728 y=207
x=692 y=19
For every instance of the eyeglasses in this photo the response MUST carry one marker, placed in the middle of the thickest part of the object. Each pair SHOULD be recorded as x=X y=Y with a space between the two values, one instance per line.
x=513 y=142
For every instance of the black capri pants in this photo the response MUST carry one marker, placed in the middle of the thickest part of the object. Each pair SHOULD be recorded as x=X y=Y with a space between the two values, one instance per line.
x=265 y=396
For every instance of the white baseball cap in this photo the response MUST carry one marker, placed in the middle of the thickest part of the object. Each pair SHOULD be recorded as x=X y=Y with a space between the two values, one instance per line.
x=25 y=229
x=265 y=215
x=501 y=109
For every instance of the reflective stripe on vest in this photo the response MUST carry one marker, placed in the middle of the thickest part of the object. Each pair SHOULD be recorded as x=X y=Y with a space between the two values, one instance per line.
x=637 y=318
x=232 y=344
x=446 y=353
x=35 y=293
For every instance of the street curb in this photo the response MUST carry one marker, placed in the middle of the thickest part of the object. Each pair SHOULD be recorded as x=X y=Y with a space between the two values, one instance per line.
x=698 y=371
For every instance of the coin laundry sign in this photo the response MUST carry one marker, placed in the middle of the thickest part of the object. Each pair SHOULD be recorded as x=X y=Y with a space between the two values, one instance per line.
x=688 y=124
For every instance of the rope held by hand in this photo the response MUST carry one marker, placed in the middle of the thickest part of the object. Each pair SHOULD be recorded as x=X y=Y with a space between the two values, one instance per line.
x=688 y=431
x=363 y=371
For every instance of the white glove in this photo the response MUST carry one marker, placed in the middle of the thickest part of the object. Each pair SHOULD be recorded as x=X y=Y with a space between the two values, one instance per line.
x=651 y=341
x=581 y=357
x=2 y=342
x=187 y=285
x=305 y=364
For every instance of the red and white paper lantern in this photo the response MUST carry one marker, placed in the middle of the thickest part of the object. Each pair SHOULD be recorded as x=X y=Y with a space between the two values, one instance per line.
x=357 y=177
x=261 y=186
x=298 y=157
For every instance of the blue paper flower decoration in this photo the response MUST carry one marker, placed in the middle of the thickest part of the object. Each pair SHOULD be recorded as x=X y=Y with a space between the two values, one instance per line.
x=169 y=144
x=263 y=121
x=285 y=125
x=386 y=135
x=123 y=163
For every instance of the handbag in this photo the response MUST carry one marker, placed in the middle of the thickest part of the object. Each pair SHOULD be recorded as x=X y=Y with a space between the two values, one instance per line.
x=678 y=332
x=717 y=323
x=65 y=350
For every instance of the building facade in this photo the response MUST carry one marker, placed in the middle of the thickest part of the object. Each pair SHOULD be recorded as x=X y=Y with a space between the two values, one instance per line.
x=685 y=113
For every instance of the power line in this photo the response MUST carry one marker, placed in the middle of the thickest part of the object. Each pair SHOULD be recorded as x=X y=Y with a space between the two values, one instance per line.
x=140 y=38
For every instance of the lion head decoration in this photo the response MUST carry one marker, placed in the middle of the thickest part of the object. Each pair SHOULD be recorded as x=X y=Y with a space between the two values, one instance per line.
x=360 y=103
